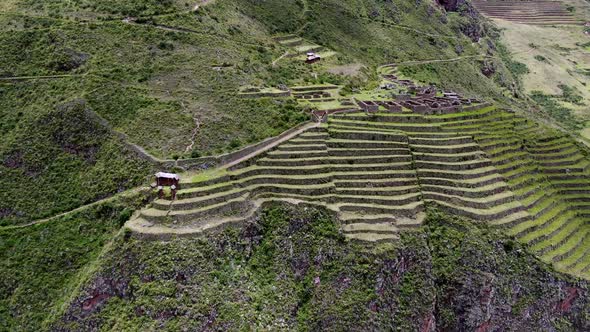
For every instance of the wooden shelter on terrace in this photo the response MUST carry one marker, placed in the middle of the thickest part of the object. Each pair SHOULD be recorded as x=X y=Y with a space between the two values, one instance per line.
x=167 y=180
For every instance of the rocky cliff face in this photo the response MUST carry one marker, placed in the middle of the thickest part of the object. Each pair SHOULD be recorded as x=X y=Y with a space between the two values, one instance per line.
x=293 y=270
x=471 y=24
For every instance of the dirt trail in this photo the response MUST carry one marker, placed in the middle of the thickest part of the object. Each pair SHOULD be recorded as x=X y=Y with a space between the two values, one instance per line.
x=78 y=209
x=423 y=62
x=256 y=152
x=274 y=63
x=24 y=78
x=194 y=134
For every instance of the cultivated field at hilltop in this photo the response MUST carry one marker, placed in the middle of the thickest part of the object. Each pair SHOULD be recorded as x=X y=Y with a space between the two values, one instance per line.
x=549 y=40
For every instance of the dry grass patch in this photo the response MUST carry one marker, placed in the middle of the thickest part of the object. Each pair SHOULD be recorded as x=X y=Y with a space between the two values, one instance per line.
x=352 y=69
x=560 y=45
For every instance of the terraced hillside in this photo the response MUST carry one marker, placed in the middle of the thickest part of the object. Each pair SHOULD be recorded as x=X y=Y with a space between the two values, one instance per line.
x=528 y=12
x=378 y=172
x=299 y=47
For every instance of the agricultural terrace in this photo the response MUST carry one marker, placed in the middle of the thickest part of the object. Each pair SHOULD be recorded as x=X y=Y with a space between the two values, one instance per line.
x=528 y=12
x=379 y=171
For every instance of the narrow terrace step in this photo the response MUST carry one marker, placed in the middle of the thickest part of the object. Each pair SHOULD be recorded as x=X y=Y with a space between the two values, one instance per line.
x=457 y=175
x=492 y=214
x=581 y=266
x=404 y=127
x=304 y=141
x=573 y=247
x=297 y=154
x=538 y=197
x=302 y=147
x=453 y=166
x=456 y=157
x=473 y=183
x=154 y=215
x=353 y=218
x=335 y=161
x=552 y=149
x=576 y=198
x=387 y=174
x=549 y=229
x=256 y=189
x=481 y=203
x=317 y=169
x=566 y=162
x=531 y=193
x=574 y=191
x=372 y=237
x=395 y=161
x=375 y=228
x=551 y=142
x=377 y=191
x=353 y=134
x=495 y=142
x=580 y=167
x=512 y=220
x=313 y=136
x=515 y=158
x=562 y=236
x=369 y=152
x=361 y=144
x=475 y=114
x=506 y=151
x=542 y=205
x=524 y=180
x=483 y=127
x=565 y=176
x=478 y=192
x=571 y=183
x=381 y=117
x=445 y=141
x=448 y=149
x=432 y=134
x=581 y=253
x=376 y=183
x=345 y=200
x=561 y=154
x=407 y=210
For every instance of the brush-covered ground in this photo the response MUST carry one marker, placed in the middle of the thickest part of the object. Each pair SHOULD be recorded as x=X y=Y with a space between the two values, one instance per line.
x=41 y=265
x=167 y=77
x=293 y=270
x=556 y=61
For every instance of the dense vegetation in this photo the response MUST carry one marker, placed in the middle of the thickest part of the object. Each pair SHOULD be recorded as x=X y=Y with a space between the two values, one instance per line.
x=57 y=158
x=292 y=270
x=41 y=265
x=557 y=106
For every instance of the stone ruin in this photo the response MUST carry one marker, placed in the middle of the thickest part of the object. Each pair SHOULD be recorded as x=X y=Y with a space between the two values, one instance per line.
x=419 y=99
x=425 y=103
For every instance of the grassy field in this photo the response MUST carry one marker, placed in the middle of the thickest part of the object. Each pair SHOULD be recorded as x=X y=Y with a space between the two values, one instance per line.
x=557 y=62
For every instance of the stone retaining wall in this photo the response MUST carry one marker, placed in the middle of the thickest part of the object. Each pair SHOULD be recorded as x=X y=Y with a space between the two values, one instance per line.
x=215 y=161
x=265 y=94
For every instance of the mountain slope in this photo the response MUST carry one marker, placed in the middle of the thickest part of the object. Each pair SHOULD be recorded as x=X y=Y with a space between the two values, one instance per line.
x=292 y=270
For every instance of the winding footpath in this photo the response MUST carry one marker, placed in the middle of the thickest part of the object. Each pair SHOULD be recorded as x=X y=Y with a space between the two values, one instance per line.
x=257 y=151
x=78 y=209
